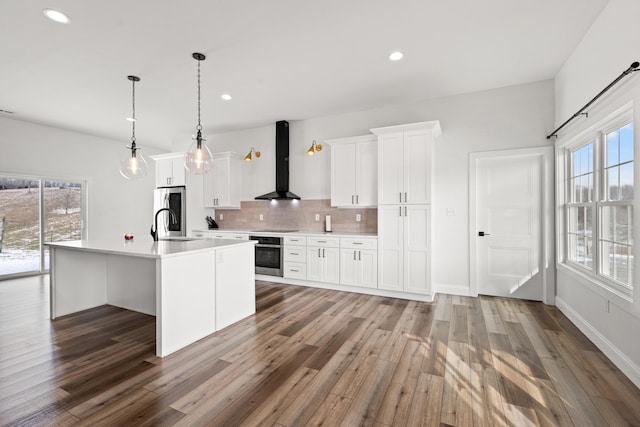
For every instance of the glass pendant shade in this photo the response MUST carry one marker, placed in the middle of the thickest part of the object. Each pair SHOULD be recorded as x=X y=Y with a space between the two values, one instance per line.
x=198 y=159
x=133 y=166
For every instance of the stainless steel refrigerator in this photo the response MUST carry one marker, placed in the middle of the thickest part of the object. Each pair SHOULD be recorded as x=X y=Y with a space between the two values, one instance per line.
x=173 y=198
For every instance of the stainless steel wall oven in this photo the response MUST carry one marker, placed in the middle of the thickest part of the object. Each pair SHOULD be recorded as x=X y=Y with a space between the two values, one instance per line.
x=269 y=255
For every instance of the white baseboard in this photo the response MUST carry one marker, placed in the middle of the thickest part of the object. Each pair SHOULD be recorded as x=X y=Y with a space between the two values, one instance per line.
x=345 y=288
x=626 y=365
x=443 y=288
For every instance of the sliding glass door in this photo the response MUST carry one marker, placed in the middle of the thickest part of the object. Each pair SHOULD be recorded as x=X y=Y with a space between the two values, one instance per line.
x=34 y=210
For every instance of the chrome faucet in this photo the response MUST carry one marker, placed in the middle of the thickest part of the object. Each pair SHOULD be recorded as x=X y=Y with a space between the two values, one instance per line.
x=154 y=231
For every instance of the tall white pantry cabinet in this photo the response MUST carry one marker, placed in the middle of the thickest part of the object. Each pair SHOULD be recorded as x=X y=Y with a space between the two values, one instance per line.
x=405 y=188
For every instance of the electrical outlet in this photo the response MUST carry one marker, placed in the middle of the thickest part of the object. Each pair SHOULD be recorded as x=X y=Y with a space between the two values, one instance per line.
x=358 y=217
x=451 y=211
x=317 y=217
x=261 y=217
x=221 y=217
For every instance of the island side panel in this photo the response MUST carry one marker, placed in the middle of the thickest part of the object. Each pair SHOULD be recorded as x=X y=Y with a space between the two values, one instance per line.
x=185 y=302
x=131 y=283
x=235 y=284
x=77 y=280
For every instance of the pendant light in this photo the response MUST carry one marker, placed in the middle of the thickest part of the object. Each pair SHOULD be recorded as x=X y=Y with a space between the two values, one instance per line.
x=249 y=157
x=314 y=147
x=198 y=158
x=133 y=166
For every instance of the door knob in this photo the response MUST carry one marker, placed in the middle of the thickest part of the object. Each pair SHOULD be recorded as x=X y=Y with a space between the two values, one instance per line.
x=482 y=234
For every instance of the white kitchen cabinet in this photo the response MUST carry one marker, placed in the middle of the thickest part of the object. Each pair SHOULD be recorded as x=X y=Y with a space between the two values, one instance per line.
x=323 y=259
x=221 y=186
x=405 y=163
x=295 y=257
x=170 y=171
x=359 y=262
x=354 y=172
x=220 y=234
x=404 y=240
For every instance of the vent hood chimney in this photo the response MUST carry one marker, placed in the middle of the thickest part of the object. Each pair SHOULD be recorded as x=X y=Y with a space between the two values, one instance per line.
x=282 y=166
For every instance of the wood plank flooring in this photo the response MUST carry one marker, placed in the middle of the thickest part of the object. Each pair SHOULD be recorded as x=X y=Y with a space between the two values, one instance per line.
x=309 y=357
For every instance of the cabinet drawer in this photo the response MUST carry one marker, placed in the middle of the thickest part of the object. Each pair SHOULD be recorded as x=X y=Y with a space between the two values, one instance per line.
x=295 y=240
x=295 y=270
x=325 y=242
x=355 y=243
x=202 y=234
x=295 y=253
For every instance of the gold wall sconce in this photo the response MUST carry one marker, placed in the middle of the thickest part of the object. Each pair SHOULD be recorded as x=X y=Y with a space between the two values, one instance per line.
x=249 y=157
x=314 y=147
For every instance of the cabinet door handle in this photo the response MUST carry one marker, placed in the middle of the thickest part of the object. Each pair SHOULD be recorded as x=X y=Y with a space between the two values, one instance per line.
x=359 y=255
x=405 y=211
x=400 y=210
x=294 y=253
x=352 y=199
x=318 y=252
x=323 y=253
x=405 y=197
x=294 y=270
x=354 y=255
x=357 y=199
x=400 y=197
x=357 y=243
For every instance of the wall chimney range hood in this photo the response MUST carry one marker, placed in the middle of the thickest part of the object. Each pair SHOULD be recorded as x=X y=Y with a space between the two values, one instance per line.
x=282 y=166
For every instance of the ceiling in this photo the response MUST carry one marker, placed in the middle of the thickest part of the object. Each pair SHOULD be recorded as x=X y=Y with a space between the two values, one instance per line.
x=279 y=59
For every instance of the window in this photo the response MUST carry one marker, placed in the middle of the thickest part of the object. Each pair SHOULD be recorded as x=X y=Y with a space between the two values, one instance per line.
x=599 y=208
x=34 y=210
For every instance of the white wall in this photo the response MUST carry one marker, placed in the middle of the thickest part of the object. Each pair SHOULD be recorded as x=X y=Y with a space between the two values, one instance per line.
x=608 y=48
x=115 y=205
x=506 y=118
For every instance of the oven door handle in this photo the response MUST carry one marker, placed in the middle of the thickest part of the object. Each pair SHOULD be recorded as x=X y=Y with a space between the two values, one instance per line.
x=268 y=246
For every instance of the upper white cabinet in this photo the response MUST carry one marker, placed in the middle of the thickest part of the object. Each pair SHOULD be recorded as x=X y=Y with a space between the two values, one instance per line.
x=221 y=186
x=405 y=162
x=170 y=171
x=354 y=171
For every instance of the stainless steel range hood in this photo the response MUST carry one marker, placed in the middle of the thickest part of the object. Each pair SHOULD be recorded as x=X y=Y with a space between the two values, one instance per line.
x=282 y=166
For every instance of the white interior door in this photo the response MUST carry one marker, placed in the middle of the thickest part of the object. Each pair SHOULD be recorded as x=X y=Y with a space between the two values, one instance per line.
x=508 y=211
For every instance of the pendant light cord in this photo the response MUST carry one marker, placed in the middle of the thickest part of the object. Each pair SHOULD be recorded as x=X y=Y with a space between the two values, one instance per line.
x=199 y=125
x=133 y=102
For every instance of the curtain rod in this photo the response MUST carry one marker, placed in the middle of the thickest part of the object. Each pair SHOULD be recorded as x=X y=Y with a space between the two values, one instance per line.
x=633 y=67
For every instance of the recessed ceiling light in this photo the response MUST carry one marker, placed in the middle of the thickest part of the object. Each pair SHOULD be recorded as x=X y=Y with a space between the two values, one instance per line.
x=226 y=97
x=395 y=56
x=56 y=16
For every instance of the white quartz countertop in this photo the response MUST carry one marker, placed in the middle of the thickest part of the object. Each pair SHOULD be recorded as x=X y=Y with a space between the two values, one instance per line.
x=295 y=233
x=147 y=248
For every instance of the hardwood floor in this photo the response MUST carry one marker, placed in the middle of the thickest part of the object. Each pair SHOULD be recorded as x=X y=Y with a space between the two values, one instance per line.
x=310 y=357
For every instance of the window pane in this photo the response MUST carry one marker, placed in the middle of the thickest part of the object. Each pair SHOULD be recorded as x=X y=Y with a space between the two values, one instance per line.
x=581 y=219
x=590 y=164
x=576 y=163
x=617 y=224
x=584 y=160
x=588 y=231
x=572 y=216
x=575 y=190
x=626 y=143
x=621 y=263
x=626 y=181
x=19 y=226
x=612 y=148
x=588 y=257
x=62 y=213
x=612 y=183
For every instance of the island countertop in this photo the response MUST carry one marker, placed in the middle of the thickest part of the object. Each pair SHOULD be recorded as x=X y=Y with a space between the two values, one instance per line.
x=147 y=248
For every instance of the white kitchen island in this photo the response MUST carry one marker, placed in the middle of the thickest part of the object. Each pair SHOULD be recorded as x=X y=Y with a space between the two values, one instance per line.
x=193 y=287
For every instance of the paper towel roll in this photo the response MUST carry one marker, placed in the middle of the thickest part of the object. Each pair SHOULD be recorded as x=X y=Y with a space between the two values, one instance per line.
x=327 y=223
